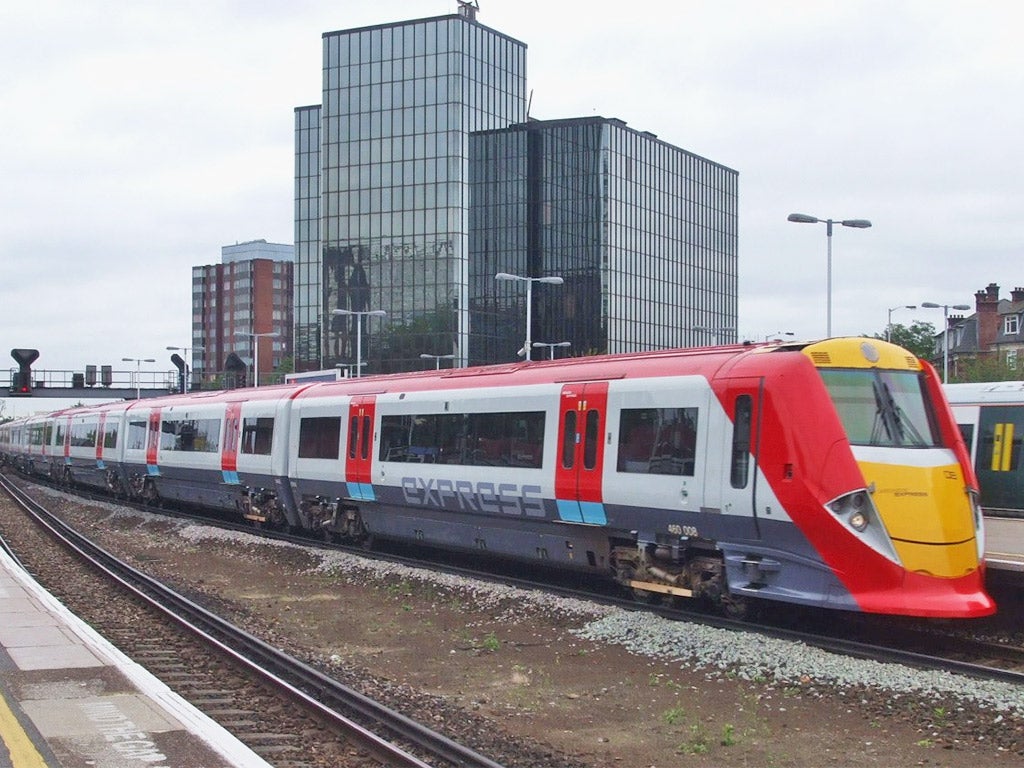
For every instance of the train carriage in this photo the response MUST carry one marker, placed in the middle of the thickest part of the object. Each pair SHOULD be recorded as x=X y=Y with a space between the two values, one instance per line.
x=991 y=419
x=829 y=473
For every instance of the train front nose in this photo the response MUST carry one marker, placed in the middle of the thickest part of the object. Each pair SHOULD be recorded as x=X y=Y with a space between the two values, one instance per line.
x=929 y=517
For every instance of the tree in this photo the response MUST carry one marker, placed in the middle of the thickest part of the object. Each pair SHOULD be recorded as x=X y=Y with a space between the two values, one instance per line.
x=919 y=338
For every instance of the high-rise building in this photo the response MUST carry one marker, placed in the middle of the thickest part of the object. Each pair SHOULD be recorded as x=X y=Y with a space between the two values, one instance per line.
x=642 y=233
x=382 y=186
x=243 y=306
x=421 y=176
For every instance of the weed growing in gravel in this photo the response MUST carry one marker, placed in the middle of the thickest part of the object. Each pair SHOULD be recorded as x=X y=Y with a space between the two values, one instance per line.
x=728 y=735
x=491 y=642
x=697 y=744
x=674 y=715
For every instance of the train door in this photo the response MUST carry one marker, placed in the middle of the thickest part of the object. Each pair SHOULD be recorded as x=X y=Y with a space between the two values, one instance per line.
x=583 y=412
x=229 y=453
x=153 y=442
x=730 y=475
x=100 y=441
x=998 y=457
x=359 y=448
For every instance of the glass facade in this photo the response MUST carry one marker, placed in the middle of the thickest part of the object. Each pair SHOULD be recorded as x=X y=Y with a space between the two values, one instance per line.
x=391 y=151
x=644 y=235
x=420 y=177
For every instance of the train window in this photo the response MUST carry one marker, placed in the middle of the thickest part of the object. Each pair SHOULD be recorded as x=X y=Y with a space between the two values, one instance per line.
x=657 y=441
x=880 y=407
x=110 y=436
x=60 y=435
x=136 y=436
x=190 y=435
x=740 y=470
x=257 y=435
x=83 y=434
x=353 y=436
x=569 y=440
x=364 y=453
x=591 y=436
x=506 y=439
x=320 y=437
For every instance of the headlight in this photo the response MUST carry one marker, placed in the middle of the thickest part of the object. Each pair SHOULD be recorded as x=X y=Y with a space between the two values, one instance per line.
x=858 y=521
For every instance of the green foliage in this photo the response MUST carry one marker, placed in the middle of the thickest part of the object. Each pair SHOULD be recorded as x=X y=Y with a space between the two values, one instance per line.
x=988 y=367
x=918 y=338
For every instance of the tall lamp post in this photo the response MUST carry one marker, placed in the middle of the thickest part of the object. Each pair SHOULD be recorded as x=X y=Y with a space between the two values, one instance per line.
x=138 y=371
x=256 y=351
x=888 y=325
x=550 y=280
x=776 y=334
x=359 y=330
x=184 y=378
x=803 y=218
x=945 y=331
x=551 y=347
x=437 y=359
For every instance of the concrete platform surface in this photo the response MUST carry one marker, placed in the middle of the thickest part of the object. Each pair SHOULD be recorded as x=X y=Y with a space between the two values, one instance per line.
x=69 y=698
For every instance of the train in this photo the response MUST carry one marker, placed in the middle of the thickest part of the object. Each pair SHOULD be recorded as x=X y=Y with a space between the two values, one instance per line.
x=991 y=420
x=826 y=473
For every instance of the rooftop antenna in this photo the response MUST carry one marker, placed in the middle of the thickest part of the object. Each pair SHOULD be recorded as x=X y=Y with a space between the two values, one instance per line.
x=468 y=9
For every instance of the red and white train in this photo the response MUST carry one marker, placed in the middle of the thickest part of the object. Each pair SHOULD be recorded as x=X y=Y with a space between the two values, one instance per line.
x=828 y=474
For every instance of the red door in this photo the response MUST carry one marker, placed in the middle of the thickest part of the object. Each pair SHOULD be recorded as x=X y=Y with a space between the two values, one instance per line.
x=153 y=442
x=229 y=450
x=578 y=471
x=100 y=437
x=359 y=447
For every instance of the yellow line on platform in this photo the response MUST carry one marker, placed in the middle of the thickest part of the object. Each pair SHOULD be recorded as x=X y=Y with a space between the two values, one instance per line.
x=20 y=747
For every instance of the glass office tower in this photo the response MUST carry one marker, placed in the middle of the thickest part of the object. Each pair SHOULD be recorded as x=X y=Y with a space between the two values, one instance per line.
x=381 y=188
x=644 y=235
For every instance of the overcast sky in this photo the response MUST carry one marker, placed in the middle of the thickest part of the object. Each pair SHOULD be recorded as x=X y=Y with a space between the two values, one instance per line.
x=137 y=138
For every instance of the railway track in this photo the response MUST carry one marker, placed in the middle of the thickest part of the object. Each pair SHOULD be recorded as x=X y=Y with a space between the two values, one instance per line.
x=922 y=645
x=287 y=712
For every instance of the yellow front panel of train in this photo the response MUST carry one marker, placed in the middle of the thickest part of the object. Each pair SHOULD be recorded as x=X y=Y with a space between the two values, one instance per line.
x=928 y=515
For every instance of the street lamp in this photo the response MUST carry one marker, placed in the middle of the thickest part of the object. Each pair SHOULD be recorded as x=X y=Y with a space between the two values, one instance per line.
x=551 y=280
x=256 y=351
x=551 y=347
x=437 y=359
x=138 y=367
x=803 y=218
x=184 y=378
x=778 y=333
x=945 y=331
x=359 y=330
x=888 y=325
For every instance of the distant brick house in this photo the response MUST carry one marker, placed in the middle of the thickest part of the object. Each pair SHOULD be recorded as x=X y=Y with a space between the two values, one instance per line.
x=994 y=333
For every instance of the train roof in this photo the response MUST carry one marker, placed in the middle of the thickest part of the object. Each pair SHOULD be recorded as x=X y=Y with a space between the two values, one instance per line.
x=985 y=392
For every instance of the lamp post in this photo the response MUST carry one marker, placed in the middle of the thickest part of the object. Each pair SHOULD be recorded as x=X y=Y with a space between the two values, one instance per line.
x=778 y=333
x=184 y=378
x=888 y=325
x=256 y=351
x=437 y=359
x=803 y=218
x=138 y=368
x=551 y=280
x=551 y=347
x=945 y=331
x=359 y=330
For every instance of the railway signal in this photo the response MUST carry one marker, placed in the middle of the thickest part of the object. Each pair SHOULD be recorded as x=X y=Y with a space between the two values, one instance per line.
x=21 y=381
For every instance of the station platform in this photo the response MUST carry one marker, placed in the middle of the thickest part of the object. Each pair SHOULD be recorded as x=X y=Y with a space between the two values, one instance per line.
x=1004 y=543
x=69 y=698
